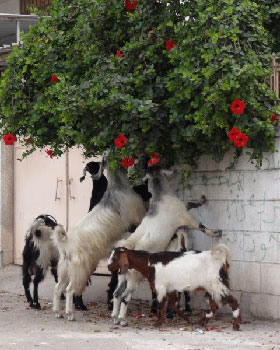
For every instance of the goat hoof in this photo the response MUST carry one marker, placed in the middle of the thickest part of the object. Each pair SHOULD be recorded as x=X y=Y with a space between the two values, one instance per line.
x=158 y=324
x=58 y=315
x=217 y=233
x=123 y=323
x=70 y=317
x=81 y=307
x=116 y=320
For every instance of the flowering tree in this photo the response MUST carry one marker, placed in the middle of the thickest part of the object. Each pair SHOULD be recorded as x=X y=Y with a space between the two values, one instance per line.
x=147 y=79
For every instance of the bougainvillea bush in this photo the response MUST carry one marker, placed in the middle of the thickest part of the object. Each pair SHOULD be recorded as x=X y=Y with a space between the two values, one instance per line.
x=157 y=78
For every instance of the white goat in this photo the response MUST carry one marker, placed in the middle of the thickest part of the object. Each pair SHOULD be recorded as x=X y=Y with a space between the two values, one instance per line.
x=93 y=238
x=166 y=213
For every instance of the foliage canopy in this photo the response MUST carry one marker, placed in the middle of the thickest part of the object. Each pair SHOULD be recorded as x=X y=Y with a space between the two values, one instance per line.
x=175 y=103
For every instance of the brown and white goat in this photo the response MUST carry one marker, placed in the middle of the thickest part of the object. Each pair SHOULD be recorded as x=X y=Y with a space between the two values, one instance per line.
x=170 y=272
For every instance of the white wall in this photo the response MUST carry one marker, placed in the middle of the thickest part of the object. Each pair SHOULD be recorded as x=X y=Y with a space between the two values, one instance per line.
x=6 y=204
x=245 y=204
x=9 y=6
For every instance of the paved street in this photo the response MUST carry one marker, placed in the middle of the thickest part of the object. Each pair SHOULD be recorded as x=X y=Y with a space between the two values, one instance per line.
x=23 y=328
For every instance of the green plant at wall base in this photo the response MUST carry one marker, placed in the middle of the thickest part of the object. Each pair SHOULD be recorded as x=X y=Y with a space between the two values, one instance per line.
x=164 y=75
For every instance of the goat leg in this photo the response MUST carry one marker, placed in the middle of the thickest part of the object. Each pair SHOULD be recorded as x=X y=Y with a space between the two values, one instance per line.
x=154 y=306
x=160 y=320
x=233 y=303
x=79 y=303
x=187 y=303
x=172 y=303
x=26 y=285
x=37 y=279
x=112 y=287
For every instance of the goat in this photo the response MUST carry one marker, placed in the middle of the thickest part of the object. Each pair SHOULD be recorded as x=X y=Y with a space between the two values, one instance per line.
x=93 y=237
x=99 y=182
x=166 y=213
x=170 y=272
x=38 y=254
x=180 y=243
x=99 y=186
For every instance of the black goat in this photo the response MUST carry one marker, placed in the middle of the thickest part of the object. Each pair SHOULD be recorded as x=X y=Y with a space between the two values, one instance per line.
x=38 y=254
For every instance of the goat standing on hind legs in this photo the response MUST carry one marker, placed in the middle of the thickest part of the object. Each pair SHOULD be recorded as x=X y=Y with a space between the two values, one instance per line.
x=93 y=238
x=99 y=186
x=38 y=254
x=170 y=272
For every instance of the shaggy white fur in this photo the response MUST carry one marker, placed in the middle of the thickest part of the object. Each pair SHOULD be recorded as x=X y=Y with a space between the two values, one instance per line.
x=48 y=251
x=93 y=238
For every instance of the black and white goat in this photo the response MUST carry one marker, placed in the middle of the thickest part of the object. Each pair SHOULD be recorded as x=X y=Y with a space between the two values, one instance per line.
x=99 y=182
x=93 y=237
x=166 y=213
x=99 y=186
x=39 y=254
x=172 y=272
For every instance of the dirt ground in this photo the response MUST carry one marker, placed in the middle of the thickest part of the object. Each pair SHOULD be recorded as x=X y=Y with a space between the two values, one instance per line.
x=24 y=328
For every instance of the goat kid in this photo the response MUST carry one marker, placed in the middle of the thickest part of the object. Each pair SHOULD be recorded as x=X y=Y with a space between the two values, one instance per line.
x=170 y=272
x=38 y=254
x=93 y=238
x=166 y=213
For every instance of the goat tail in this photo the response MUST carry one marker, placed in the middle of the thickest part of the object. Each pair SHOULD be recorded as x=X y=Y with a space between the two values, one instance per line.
x=221 y=252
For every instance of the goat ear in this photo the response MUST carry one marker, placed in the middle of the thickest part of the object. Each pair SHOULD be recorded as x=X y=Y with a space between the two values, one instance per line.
x=124 y=264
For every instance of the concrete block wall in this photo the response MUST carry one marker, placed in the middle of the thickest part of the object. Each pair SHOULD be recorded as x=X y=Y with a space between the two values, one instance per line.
x=245 y=204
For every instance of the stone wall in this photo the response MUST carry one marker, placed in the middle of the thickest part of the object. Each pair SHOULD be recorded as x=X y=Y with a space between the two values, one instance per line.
x=245 y=204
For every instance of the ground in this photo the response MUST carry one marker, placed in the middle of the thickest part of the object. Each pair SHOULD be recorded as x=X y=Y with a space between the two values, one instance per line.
x=22 y=328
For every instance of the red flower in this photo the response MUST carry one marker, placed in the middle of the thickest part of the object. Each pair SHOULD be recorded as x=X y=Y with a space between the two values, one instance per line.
x=49 y=153
x=273 y=118
x=127 y=162
x=54 y=78
x=9 y=139
x=169 y=45
x=234 y=132
x=120 y=141
x=240 y=140
x=237 y=107
x=119 y=54
x=131 y=5
x=154 y=160
x=27 y=140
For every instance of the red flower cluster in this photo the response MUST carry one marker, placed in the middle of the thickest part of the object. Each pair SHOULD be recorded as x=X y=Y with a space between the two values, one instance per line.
x=238 y=138
x=154 y=160
x=9 y=139
x=273 y=118
x=237 y=107
x=49 y=153
x=119 y=54
x=127 y=162
x=131 y=5
x=54 y=78
x=169 y=45
x=120 y=141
